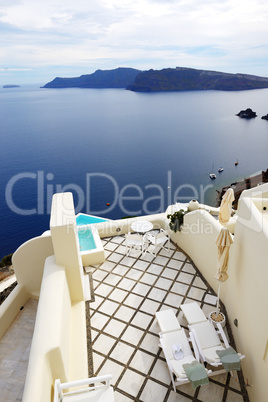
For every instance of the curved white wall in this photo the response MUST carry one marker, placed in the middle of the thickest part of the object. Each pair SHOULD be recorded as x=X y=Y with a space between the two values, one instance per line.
x=28 y=262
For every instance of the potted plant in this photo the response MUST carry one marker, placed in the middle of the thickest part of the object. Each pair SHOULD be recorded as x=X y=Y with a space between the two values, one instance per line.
x=217 y=318
x=176 y=220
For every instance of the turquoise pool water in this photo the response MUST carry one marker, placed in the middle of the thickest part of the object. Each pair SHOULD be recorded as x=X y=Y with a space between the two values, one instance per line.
x=86 y=240
x=83 y=219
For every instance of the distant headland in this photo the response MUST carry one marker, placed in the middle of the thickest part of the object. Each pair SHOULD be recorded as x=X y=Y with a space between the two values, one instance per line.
x=117 y=78
x=168 y=79
x=11 y=86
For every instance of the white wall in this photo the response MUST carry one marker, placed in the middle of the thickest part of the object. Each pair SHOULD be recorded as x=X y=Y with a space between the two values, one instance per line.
x=66 y=244
x=28 y=263
x=197 y=238
x=123 y=226
x=58 y=347
x=245 y=293
x=11 y=307
x=246 y=296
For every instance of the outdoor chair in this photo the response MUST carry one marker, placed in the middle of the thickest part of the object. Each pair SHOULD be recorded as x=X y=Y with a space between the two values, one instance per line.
x=135 y=242
x=182 y=362
x=212 y=344
x=159 y=241
x=99 y=390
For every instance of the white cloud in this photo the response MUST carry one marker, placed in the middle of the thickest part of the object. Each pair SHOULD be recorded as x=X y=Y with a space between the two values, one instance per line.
x=144 y=33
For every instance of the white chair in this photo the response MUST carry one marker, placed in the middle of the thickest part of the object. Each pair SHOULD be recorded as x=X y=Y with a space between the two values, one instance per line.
x=135 y=242
x=99 y=391
x=171 y=335
x=207 y=338
x=158 y=241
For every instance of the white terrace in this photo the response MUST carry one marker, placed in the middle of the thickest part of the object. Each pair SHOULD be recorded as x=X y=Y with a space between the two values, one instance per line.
x=102 y=322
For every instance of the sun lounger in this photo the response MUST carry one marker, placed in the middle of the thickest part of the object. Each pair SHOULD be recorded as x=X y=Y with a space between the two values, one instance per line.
x=167 y=321
x=100 y=390
x=193 y=313
x=212 y=344
x=181 y=361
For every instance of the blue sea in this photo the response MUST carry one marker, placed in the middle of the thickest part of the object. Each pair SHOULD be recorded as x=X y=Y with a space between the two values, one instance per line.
x=119 y=152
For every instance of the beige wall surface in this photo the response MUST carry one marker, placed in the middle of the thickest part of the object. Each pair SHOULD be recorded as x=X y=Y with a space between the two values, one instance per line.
x=246 y=296
x=28 y=262
x=11 y=307
x=49 y=355
x=56 y=344
x=123 y=226
x=65 y=242
x=197 y=238
x=245 y=292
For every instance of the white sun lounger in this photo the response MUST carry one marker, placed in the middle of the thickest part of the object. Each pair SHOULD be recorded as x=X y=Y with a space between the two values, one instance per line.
x=207 y=338
x=79 y=391
x=167 y=321
x=193 y=313
x=172 y=335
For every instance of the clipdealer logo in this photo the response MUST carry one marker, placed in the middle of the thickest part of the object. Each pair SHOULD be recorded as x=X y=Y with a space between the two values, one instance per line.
x=44 y=186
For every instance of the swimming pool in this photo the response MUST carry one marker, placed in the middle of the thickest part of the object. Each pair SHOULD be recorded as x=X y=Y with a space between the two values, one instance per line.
x=83 y=219
x=86 y=240
x=91 y=248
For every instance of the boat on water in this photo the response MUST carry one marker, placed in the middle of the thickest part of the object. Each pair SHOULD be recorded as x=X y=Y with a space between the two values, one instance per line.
x=220 y=169
x=212 y=175
x=236 y=163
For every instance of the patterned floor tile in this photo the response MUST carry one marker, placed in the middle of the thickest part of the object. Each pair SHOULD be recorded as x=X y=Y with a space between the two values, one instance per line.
x=150 y=343
x=122 y=352
x=115 y=328
x=148 y=285
x=131 y=382
x=153 y=392
x=103 y=344
x=142 y=361
x=112 y=367
x=132 y=335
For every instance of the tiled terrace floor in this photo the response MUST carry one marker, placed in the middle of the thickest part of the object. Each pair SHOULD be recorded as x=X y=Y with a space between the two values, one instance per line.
x=127 y=292
x=125 y=343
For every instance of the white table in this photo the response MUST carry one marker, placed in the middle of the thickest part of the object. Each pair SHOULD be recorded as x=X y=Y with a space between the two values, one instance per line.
x=141 y=226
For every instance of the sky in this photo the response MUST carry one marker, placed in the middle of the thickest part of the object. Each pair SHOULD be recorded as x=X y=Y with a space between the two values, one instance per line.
x=44 y=39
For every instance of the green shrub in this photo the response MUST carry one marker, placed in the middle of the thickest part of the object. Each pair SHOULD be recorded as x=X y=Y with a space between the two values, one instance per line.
x=6 y=260
x=176 y=220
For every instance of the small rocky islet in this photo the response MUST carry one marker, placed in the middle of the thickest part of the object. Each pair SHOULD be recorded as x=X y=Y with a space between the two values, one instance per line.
x=249 y=114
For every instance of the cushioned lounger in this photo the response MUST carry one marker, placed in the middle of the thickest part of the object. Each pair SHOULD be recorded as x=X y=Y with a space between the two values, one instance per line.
x=208 y=341
x=167 y=321
x=171 y=337
x=193 y=313
x=177 y=337
x=207 y=338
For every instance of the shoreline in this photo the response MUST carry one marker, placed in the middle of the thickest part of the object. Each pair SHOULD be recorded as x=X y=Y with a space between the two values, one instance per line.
x=241 y=185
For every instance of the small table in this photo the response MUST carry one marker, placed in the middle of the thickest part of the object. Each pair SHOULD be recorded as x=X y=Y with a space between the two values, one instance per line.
x=141 y=226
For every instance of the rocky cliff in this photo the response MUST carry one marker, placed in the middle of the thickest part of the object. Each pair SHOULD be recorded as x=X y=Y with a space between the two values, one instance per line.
x=118 y=78
x=182 y=79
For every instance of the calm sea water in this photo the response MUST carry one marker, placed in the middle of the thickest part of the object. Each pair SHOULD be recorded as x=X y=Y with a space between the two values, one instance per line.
x=133 y=151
